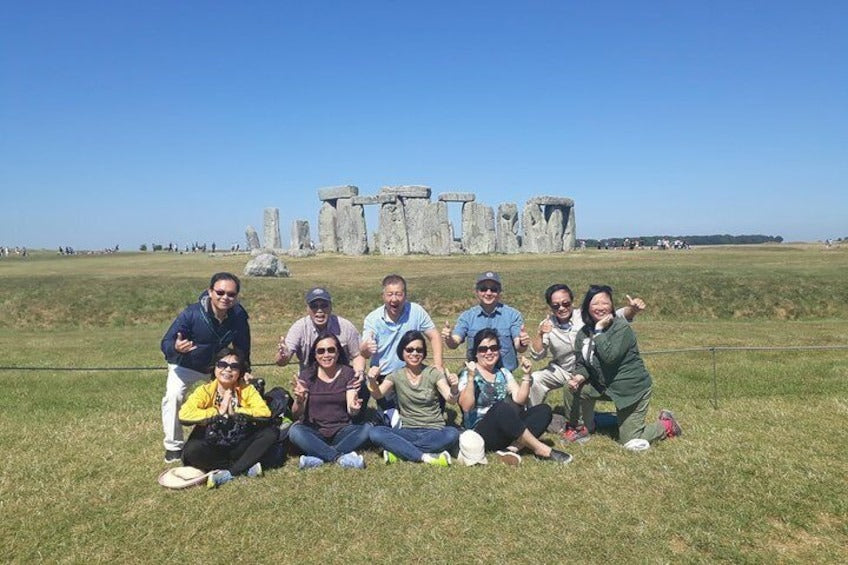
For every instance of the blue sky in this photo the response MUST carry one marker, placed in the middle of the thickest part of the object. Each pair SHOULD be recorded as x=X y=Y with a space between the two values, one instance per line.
x=132 y=122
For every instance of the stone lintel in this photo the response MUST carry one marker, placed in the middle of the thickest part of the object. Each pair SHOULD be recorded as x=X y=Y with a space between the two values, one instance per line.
x=457 y=197
x=376 y=199
x=407 y=191
x=336 y=192
x=551 y=201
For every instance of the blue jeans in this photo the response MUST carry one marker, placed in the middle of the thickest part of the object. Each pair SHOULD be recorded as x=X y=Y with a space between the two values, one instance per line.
x=411 y=443
x=348 y=439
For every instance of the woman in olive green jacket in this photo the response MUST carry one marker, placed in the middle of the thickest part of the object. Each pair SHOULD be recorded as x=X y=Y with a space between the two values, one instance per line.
x=609 y=367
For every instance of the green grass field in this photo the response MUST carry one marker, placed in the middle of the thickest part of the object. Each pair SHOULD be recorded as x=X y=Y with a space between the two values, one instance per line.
x=761 y=478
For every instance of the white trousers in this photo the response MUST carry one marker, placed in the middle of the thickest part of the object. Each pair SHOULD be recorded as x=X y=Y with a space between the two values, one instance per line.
x=179 y=379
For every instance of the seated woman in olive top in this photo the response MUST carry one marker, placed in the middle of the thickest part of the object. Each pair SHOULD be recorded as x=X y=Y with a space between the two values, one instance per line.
x=609 y=367
x=423 y=436
x=325 y=400
x=223 y=438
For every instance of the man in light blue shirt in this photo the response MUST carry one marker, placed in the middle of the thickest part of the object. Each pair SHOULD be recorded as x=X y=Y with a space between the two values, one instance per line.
x=385 y=326
x=490 y=313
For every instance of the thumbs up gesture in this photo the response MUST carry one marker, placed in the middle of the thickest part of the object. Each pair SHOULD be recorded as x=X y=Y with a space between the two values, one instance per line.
x=446 y=330
x=523 y=338
x=636 y=303
x=183 y=345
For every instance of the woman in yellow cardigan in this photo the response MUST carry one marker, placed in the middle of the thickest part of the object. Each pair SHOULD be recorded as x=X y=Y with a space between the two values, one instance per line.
x=224 y=413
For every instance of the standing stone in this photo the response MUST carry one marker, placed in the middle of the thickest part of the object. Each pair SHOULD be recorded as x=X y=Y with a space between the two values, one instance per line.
x=301 y=241
x=351 y=233
x=252 y=238
x=266 y=265
x=393 y=238
x=419 y=223
x=478 y=228
x=534 y=224
x=554 y=228
x=272 y=229
x=569 y=238
x=327 y=228
x=507 y=229
x=440 y=232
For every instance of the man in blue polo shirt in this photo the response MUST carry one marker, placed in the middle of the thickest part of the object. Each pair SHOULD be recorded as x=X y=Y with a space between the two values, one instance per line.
x=490 y=313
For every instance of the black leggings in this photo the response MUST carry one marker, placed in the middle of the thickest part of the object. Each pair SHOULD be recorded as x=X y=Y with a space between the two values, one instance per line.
x=237 y=459
x=506 y=421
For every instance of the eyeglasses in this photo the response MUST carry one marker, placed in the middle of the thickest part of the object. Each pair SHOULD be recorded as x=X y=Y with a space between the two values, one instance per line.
x=323 y=350
x=558 y=305
x=223 y=292
x=485 y=348
x=414 y=349
x=232 y=366
x=319 y=305
x=489 y=288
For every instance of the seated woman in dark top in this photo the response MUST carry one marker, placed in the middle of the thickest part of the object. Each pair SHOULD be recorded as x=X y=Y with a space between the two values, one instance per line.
x=325 y=400
x=223 y=413
x=493 y=404
x=423 y=436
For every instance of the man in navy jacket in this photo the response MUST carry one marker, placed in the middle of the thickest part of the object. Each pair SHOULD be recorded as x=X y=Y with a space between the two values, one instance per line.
x=214 y=322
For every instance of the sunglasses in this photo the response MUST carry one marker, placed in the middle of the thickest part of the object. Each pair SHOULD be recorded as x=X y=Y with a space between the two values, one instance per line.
x=414 y=349
x=323 y=350
x=489 y=288
x=558 y=305
x=223 y=292
x=485 y=348
x=224 y=365
x=319 y=305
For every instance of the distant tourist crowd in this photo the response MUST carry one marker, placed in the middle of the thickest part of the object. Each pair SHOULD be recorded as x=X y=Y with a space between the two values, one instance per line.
x=388 y=388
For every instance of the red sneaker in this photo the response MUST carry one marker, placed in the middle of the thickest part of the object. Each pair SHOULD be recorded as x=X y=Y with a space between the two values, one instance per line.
x=579 y=434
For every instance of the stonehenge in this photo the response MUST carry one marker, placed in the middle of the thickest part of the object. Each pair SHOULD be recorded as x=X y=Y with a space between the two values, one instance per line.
x=411 y=223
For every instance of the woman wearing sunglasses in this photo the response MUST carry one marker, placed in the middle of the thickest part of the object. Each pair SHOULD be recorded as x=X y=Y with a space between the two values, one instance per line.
x=492 y=402
x=224 y=413
x=609 y=367
x=325 y=400
x=423 y=437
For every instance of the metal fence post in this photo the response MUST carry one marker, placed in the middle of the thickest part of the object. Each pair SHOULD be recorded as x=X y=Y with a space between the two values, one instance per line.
x=715 y=381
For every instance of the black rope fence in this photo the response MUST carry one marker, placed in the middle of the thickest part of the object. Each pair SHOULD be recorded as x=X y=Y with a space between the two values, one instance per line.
x=712 y=350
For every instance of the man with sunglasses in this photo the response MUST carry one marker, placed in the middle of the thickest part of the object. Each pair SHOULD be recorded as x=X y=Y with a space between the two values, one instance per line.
x=490 y=313
x=319 y=319
x=212 y=323
x=555 y=337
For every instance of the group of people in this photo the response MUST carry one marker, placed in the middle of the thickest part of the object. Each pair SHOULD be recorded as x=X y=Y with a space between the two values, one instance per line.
x=591 y=354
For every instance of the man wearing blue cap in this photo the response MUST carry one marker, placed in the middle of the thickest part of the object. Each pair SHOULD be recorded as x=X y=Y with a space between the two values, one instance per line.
x=490 y=312
x=319 y=318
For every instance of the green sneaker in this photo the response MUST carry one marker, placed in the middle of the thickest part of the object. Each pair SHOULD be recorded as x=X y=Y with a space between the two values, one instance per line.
x=389 y=457
x=442 y=460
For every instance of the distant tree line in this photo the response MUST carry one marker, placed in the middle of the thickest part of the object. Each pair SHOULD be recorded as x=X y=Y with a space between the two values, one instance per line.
x=718 y=239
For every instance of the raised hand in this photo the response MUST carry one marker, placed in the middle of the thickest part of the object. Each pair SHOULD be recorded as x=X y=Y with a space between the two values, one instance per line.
x=183 y=345
x=546 y=326
x=471 y=367
x=369 y=344
x=636 y=303
x=526 y=365
x=446 y=330
x=451 y=378
x=282 y=349
x=523 y=337
x=301 y=393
